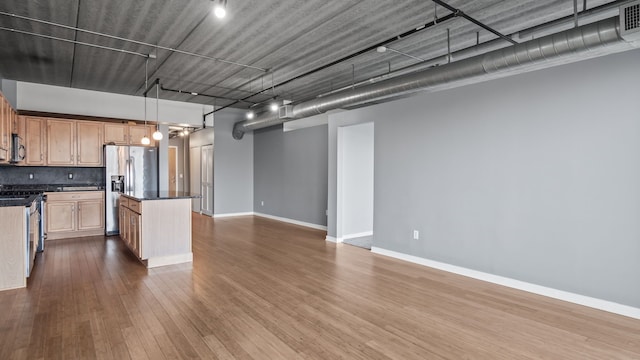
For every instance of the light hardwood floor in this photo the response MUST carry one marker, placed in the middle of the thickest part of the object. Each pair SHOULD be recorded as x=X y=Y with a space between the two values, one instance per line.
x=260 y=289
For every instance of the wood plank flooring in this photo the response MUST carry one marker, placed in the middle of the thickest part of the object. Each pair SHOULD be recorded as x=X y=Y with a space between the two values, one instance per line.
x=260 y=289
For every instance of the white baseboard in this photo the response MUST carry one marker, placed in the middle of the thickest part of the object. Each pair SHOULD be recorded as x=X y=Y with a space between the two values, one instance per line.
x=517 y=284
x=217 y=216
x=291 y=221
x=357 y=235
x=169 y=260
x=332 y=239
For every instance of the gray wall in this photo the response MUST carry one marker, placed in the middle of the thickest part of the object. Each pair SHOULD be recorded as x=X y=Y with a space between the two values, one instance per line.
x=534 y=177
x=291 y=173
x=233 y=166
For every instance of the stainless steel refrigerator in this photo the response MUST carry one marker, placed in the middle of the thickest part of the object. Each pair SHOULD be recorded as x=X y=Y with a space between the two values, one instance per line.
x=132 y=169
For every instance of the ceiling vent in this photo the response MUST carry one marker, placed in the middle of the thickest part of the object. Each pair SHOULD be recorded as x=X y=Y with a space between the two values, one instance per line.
x=285 y=112
x=630 y=21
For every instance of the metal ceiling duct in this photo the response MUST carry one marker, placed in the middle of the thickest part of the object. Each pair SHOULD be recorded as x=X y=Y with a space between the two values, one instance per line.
x=551 y=49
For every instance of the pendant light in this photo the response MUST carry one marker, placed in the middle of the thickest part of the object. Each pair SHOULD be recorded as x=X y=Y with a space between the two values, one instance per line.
x=145 y=140
x=157 y=135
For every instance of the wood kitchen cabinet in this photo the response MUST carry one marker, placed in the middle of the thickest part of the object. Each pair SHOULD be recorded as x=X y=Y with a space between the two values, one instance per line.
x=130 y=225
x=61 y=136
x=127 y=134
x=74 y=143
x=117 y=134
x=137 y=132
x=74 y=214
x=33 y=131
x=5 y=130
x=89 y=140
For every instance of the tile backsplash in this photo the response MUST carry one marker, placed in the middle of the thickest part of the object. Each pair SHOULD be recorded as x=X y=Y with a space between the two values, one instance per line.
x=36 y=175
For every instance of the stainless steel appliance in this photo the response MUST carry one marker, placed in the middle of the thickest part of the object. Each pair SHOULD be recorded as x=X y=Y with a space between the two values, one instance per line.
x=18 y=150
x=127 y=169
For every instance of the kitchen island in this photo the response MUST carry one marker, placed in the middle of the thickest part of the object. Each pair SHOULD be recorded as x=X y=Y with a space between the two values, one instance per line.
x=156 y=226
x=21 y=236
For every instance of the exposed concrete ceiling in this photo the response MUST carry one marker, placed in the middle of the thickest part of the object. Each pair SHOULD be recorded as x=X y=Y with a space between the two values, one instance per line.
x=290 y=37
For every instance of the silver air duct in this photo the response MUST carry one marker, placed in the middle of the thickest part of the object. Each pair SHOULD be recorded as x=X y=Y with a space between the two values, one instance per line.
x=596 y=39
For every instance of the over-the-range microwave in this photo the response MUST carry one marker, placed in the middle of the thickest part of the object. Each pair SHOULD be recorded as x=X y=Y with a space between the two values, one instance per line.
x=18 y=150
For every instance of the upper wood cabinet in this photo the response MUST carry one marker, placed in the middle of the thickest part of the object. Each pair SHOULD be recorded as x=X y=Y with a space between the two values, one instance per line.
x=89 y=136
x=74 y=143
x=137 y=132
x=5 y=130
x=126 y=134
x=61 y=141
x=33 y=130
x=64 y=142
x=116 y=133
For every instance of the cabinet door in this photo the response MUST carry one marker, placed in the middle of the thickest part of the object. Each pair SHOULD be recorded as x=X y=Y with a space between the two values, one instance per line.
x=135 y=233
x=4 y=124
x=137 y=132
x=122 y=221
x=90 y=214
x=116 y=133
x=34 y=139
x=4 y=137
x=61 y=142
x=61 y=216
x=89 y=141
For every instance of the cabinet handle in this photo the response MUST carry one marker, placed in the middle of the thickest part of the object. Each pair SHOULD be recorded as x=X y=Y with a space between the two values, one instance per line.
x=40 y=156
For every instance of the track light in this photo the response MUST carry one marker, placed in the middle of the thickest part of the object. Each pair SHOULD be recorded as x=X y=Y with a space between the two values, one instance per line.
x=250 y=115
x=220 y=8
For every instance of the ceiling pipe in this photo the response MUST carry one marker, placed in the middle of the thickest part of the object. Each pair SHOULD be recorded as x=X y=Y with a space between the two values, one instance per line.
x=587 y=15
x=558 y=46
x=436 y=21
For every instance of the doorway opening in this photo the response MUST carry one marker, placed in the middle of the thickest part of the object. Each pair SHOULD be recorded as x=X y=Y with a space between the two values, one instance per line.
x=355 y=185
x=173 y=169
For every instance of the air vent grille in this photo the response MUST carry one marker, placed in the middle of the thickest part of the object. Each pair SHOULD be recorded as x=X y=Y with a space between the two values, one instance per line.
x=632 y=17
x=630 y=22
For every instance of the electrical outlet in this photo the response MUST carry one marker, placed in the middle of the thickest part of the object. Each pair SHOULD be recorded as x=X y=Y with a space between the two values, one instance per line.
x=30 y=176
x=416 y=234
x=261 y=203
x=70 y=175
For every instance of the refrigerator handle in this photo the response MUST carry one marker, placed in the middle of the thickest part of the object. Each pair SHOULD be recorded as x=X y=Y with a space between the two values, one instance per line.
x=132 y=173
x=127 y=176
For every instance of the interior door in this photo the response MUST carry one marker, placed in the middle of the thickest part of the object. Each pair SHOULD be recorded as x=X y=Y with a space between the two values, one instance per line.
x=173 y=169
x=207 y=179
x=194 y=180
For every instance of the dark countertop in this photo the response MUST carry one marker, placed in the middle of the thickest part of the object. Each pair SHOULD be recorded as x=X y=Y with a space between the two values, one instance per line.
x=159 y=195
x=30 y=188
x=20 y=200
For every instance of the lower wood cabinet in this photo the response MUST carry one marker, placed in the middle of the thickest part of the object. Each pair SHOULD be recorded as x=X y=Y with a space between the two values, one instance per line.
x=74 y=214
x=130 y=221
